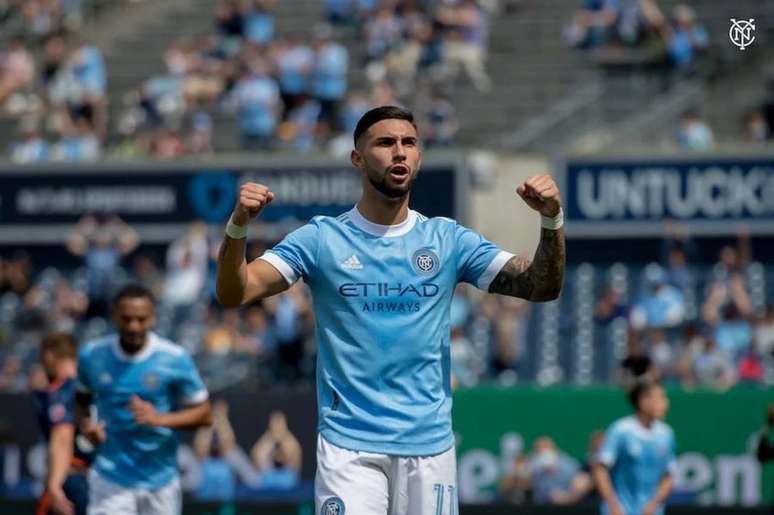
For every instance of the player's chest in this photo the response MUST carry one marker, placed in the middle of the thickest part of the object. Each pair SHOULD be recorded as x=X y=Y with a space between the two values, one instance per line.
x=388 y=260
x=123 y=380
x=645 y=451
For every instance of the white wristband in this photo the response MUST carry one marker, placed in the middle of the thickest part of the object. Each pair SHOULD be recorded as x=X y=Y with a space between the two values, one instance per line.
x=235 y=231
x=552 y=223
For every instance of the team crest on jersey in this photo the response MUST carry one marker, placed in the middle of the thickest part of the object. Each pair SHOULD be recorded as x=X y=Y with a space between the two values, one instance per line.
x=104 y=378
x=56 y=413
x=332 y=506
x=425 y=262
x=150 y=381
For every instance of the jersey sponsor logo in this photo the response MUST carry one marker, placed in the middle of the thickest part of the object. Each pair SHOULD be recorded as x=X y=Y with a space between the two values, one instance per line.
x=332 y=506
x=391 y=307
x=352 y=263
x=388 y=290
x=425 y=262
x=635 y=449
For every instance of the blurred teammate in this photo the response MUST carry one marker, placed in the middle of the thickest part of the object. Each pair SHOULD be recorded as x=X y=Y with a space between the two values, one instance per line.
x=382 y=278
x=633 y=471
x=69 y=454
x=144 y=388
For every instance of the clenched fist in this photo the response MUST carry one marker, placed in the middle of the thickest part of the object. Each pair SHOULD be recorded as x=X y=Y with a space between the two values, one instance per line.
x=252 y=199
x=541 y=194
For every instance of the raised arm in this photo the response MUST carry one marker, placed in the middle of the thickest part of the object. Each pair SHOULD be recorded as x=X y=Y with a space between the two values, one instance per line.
x=541 y=279
x=237 y=281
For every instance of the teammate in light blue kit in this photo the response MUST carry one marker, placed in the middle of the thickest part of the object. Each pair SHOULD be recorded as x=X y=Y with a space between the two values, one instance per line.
x=382 y=278
x=144 y=388
x=635 y=464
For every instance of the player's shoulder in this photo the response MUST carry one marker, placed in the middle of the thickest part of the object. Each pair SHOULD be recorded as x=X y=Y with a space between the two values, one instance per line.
x=663 y=429
x=167 y=347
x=436 y=222
x=626 y=424
x=97 y=346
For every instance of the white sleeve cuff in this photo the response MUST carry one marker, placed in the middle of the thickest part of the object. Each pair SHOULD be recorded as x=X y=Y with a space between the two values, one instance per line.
x=281 y=265
x=486 y=278
x=196 y=398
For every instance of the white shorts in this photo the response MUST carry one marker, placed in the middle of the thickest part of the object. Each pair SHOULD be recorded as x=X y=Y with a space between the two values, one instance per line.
x=364 y=483
x=108 y=498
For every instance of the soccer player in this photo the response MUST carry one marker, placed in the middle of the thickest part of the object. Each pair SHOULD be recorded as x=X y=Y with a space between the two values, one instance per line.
x=382 y=278
x=144 y=388
x=633 y=471
x=68 y=458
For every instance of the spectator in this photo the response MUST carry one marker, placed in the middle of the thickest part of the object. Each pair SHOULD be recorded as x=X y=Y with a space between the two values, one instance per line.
x=102 y=241
x=515 y=483
x=764 y=332
x=30 y=147
x=713 y=368
x=441 y=124
x=691 y=346
x=660 y=305
x=510 y=337
x=220 y=458
x=277 y=455
x=329 y=78
x=556 y=478
x=299 y=131
x=167 y=144
x=750 y=367
x=199 y=138
x=256 y=100
x=78 y=142
x=733 y=333
x=636 y=363
x=187 y=259
x=661 y=355
x=289 y=309
x=685 y=39
x=295 y=63
x=611 y=305
x=592 y=24
x=694 y=133
x=17 y=68
x=465 y=43
x=756 y=130
x=259 y=23
x=464 y=372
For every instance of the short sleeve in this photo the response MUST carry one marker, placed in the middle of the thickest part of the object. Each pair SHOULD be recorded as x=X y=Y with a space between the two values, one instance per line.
x=296 y=255
x=610 y=450
x=61 y=404
x=189 y=385
x=478 y=259
x=82 y=382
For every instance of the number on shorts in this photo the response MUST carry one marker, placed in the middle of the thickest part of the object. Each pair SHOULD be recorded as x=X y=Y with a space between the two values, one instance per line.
x=439 y=491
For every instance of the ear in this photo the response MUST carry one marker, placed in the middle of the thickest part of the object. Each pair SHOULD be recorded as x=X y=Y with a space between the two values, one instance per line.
x=357 y=159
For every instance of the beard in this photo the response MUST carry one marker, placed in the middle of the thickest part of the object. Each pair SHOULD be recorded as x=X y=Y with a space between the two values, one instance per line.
x=393 y=192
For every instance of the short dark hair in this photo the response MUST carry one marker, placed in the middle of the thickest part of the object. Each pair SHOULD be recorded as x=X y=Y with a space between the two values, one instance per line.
x=640 y=389
x=133 y=291
x=63 y=345
x=378 y=114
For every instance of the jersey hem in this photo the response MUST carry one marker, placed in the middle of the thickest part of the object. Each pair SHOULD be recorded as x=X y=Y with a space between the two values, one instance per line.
x=132 y=484
x=392 y=449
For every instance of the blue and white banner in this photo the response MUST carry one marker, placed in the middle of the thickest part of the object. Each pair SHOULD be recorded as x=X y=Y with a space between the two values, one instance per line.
x=636 y=198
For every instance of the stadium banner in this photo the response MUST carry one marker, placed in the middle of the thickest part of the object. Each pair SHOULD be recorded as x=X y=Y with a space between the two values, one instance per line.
x=159 y=200
x=635 y=198
x=716 y=436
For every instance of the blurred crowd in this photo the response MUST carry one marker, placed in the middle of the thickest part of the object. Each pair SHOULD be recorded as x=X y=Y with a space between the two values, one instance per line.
x=679 y=39
x=722 y=336
x=708 y=329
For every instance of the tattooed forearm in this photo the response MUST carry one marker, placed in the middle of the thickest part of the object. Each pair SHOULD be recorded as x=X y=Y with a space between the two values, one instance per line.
x=539 y=281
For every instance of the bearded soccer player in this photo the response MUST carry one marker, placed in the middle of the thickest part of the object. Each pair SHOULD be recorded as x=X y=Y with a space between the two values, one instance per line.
x=382 y=278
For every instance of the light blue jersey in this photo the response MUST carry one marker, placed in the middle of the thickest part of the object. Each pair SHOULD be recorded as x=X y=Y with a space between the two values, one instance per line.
x=382 y=297
x=638 y=458
x=138 y=456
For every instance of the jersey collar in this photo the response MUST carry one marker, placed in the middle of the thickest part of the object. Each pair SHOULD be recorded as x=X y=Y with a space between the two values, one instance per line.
x=387 y=231
x=143 y=354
